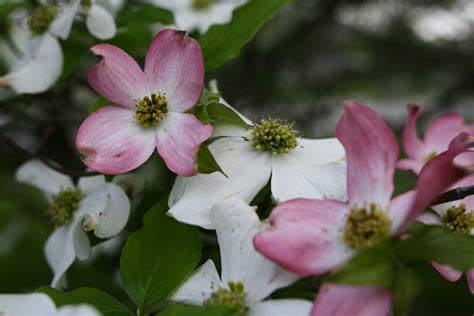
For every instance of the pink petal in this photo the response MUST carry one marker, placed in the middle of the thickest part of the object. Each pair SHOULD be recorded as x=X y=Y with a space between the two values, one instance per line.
x=110 y=141
x=399 y=209
x=470 y=280
x=305 y=236
x=178 y=139
x=344 y=300
x=372 y=151
x=410 y=165
x=412 y=145
x=429 y=219
x=436 y=176
x=117 y=77
x=442 y=130
x=174 y=65
x=448 y=272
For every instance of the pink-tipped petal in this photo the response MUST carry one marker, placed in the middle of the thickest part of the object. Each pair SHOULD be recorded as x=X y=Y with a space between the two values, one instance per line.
x=109 y=141
x=178 y=140
x=429 y=219
x=174 y=65
x=470 y=280
x=309 y=230
x=117 y=77
x=399 y=209
x=442 y=130
x=343 y=300
x=372 y=151
x=414 y=166
x=448 y=272
x=412 y=144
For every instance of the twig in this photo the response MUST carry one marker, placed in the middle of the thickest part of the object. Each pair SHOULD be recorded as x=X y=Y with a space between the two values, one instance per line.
x=454 y=195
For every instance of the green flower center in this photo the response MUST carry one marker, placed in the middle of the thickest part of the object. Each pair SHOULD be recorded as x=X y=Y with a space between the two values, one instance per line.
x=201 y=4
x=275 y=136
x=63 y=205
x=86 y=4
x=41 y=18
x=365 y=229
x=458 y=220
x=150 y=111
x=233 y=298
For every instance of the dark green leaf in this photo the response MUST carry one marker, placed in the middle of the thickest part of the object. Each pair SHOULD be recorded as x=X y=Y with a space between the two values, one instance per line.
x=104 y=303
x=135 y=221
x=181 y=310
x=406 y=288
x=372 y=266
x=437 y=243
x=223 y=42
x=146 y=13
x=205 y=161
x=157 y=258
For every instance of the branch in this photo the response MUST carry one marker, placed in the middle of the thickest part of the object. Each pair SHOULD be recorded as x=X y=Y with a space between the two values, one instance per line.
x=454 y=195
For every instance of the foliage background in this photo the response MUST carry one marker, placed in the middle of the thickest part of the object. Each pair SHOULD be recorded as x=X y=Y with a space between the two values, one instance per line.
x=301 y=66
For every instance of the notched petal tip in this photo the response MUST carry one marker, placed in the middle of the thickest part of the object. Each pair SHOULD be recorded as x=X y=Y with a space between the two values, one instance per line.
x=86 y=155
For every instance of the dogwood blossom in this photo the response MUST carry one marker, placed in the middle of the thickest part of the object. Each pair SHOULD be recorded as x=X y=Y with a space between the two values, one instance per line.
x=458 y=216
x=99 y=20
x=437 y=138
x=33 y=54
x=149 y=107
x=200 y=14
x=251 y=157
x=247 y=278
x=325 y=234
x=92 y=205
x=40 y=304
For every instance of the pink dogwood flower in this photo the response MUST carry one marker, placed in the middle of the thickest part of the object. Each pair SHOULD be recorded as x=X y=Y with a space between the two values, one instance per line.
x=324 y=234
x=148 y=109
x=437 y=137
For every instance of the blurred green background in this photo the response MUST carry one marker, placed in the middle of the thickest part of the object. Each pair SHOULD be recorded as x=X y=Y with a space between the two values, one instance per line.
x=300 y=66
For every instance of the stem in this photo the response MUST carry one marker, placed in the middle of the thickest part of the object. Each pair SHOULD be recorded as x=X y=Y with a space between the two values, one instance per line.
x=454 y=195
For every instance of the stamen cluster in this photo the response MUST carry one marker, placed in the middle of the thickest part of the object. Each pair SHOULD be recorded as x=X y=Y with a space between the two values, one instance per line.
x=234 y=298
x=150 y=111
x=201 y=4
x=458 y=220
x=366 y=228
x=41 y=18
x=63 y=205
x=86 y=4
x=275 y=136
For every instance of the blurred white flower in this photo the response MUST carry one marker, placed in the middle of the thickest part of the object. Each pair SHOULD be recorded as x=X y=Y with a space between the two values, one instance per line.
x=190 y=15
x=92 y=205
x=40 y=304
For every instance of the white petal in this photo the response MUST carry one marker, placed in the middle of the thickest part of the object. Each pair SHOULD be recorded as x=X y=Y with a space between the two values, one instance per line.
x=315 y=169
x=100 y=22
x=59 y=250
x=82 y=245
x=37 y=304
x=61 y=25
x=77 y=310
x=285 y=307
x=236 y=224
x=115 y=216
x=41 y=70
x=248 y=172
x=89 y=185
x=199 y=286
x=50 y=181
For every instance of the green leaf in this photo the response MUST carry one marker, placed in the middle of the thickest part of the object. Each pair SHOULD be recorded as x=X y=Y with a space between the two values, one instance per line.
x=223 y=42
x=206 y=163
x=101 y=102
x=437 y=243
x=146 y=13
x=104 y=303
x=406 y=288
x=182 y=310
x=372 y=266
x=157 y=258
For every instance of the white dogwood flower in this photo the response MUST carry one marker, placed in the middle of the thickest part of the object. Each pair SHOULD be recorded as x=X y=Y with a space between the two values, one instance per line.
x=251 y=157
x=92 y=205
x=247 y=278
x=40 y=304
x=200 y=14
